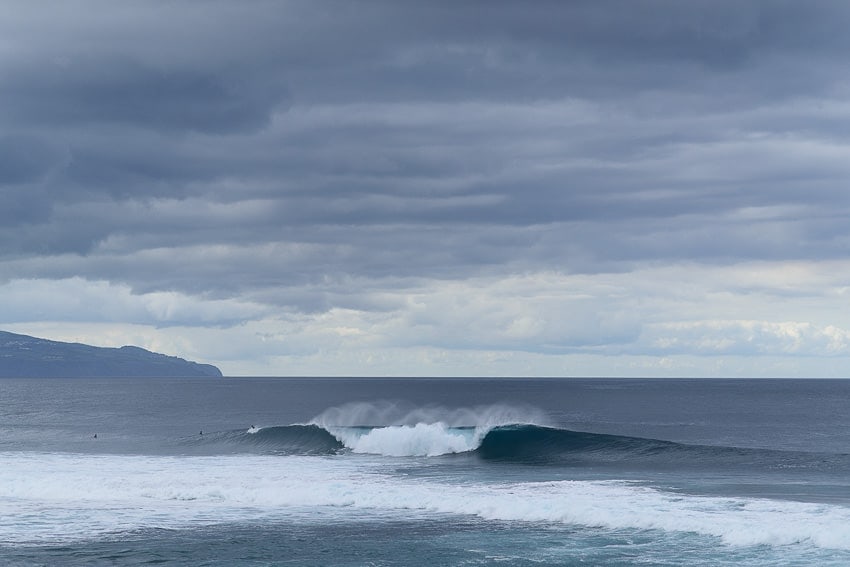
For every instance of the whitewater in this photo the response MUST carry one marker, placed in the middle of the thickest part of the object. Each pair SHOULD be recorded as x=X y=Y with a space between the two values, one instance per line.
x=572 y=472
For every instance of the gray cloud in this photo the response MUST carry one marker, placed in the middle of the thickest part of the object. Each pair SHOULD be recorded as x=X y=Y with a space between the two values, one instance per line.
x=125 y=92
x=312 y=156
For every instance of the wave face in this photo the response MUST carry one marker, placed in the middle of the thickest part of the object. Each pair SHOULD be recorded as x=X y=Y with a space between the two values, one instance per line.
x=536 y=444
x=296 y=439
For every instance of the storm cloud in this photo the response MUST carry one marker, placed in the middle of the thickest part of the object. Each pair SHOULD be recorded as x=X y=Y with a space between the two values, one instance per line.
x=600 y=187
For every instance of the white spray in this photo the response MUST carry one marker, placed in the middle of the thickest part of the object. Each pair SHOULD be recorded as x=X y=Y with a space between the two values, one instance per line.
x=394 y=429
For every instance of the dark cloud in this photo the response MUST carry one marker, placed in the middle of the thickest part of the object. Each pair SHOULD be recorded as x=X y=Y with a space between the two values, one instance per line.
x=26 y=159
x=111 y=89
x=225 y=149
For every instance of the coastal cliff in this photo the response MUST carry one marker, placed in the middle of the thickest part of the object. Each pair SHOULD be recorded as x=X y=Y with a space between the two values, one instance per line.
x=23 y=356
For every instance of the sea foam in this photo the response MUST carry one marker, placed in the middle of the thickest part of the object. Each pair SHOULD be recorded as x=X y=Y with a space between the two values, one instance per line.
x=52 y=497
x=422 y=439
x=393 y=429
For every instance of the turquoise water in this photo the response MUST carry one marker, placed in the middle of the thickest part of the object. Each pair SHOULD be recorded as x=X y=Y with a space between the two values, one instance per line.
x=424 y=472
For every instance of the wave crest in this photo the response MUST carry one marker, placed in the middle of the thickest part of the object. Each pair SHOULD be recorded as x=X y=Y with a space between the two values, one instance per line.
x=420 y=440
x=386 y=413
x=397 y=430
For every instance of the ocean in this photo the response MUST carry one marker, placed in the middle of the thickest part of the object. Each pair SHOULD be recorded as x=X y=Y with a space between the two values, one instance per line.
x=415 y=471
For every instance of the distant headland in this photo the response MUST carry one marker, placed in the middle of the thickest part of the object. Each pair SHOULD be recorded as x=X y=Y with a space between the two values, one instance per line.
x=22 y=356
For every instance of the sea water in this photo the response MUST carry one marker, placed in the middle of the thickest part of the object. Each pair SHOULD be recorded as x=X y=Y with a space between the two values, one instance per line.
x=414 y=471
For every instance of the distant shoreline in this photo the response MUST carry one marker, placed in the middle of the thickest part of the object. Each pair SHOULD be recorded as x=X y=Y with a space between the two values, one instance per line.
x=23 y=356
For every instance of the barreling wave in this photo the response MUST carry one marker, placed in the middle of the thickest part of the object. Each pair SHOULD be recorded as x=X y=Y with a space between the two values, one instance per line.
x=497 y=434
x=518 y=443
x=421 y=439
x=512 y=442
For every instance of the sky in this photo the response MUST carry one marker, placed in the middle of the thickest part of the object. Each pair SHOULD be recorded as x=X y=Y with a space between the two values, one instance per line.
x=443 y=188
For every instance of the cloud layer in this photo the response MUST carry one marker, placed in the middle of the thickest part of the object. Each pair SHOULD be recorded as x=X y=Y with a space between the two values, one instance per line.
x=606 y=187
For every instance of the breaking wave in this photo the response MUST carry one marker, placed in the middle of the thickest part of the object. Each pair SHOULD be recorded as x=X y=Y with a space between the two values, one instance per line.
x=497 y=434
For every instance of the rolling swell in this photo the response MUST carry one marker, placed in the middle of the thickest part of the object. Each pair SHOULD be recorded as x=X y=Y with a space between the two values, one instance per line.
x=296 y=439
x=277 y=440
x=541 y=445
x=532 y=444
